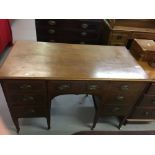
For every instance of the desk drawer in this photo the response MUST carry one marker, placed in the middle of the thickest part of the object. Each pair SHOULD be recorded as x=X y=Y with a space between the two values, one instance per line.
x=94 y=87
x=64 y=87
x=115 y=110
x=27 y=99
x=23 y=86
x=120 y=99
x=143 y=113
x=31 y=111
x=148 y=100
x=129 y=88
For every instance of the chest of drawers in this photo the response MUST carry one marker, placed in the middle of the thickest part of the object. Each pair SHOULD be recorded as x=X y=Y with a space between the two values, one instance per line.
x=77 y=31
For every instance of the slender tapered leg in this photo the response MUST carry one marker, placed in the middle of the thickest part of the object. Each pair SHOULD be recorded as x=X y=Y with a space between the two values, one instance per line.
x=122 y=122
x=48 y=122
x=15 y=120
x=95 y=120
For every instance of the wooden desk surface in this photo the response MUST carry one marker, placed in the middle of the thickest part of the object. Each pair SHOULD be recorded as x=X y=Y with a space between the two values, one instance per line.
x=40 y=60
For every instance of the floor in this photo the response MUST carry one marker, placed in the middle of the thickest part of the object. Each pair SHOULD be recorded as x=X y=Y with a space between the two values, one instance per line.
x=70 y=113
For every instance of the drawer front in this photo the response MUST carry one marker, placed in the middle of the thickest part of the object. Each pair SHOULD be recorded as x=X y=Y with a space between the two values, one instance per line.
x=26 y=99
x=151 y=89
x=148 y=100
x=118 y=38
x=141 y=35
x=72 y=34
x=120 y=99
x=64 y=87
x=65 y=39
x=115 y=110
x=69 y=24
x=143 y=113
x=30 y=111
x=126 y=88
x=97 y=87
x=23 y=86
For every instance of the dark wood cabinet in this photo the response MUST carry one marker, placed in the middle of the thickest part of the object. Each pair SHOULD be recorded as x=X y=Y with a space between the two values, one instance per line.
x=77 y=31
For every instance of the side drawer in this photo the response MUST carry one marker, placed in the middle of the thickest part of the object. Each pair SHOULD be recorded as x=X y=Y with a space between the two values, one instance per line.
x=143 y=113
x=115 y=110
x=30 y=111
x=23 y=86
x=27 y=99
x=148 y=100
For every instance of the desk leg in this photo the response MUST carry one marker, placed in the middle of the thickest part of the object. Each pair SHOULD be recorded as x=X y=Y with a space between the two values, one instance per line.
x=15 y=120
x=49 y=117
x=96 y=117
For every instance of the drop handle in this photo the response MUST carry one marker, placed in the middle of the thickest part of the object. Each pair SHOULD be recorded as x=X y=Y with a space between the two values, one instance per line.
x=32 y=111
x=146 y=113
x=125 y=87
x=120 y=98
x=51 y=31
x=84 y=25
x=28 y=98
x=83 y=33
x=25 y=86
x=92 y=87
x=116 y=109
x=52 y=22
x=64 y=86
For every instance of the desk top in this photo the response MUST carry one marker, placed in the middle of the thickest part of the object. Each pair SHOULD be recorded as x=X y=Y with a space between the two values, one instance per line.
x=58 y=61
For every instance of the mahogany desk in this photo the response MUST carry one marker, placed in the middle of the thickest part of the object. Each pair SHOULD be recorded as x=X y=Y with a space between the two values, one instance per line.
x=36 y=72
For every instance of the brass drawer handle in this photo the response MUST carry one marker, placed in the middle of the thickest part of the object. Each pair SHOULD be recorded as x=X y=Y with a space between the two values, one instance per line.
x=64 y=86
x=120 y=98
x=116 y=109
x=51 y=31
x=52 y=22
x=84 y=25
x=32 y=111
x=25 y=86
x=146 y=113
x=83 y=33
x=28 y=98
x=92 y=87
x=125 y=87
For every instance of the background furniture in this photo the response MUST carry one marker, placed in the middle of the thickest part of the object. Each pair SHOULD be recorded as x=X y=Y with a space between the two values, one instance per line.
x=77 y=31
x=123 y=31
x=5 y=34
x=42 y=71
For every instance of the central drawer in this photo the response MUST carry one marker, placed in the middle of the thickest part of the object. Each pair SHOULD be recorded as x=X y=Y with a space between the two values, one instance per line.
x=66 y=87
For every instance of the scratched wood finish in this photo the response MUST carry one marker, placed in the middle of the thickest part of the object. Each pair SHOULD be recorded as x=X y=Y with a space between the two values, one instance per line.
x=40 y=60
